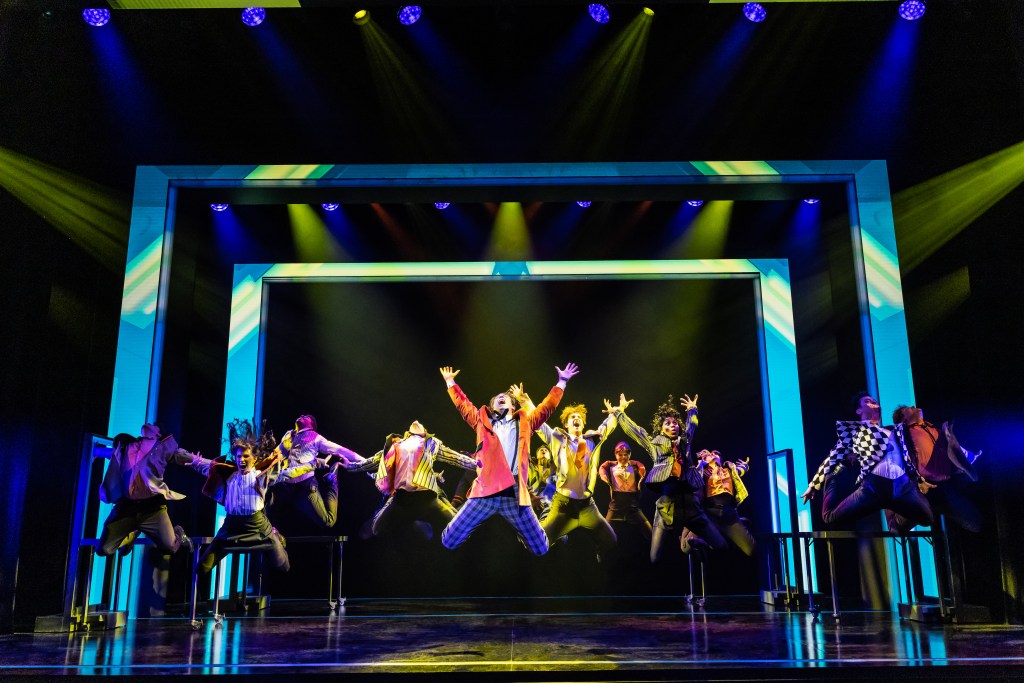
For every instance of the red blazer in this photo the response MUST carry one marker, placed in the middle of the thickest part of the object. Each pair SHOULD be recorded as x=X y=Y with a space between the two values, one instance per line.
x=494 y=474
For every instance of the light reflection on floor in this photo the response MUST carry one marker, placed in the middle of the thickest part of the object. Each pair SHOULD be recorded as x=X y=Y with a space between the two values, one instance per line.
x=622 y=639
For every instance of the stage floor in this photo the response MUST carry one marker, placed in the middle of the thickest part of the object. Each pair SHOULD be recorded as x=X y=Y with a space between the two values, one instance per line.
x=536 y=639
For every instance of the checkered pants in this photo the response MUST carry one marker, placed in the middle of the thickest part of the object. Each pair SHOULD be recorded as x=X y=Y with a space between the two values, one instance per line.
x=476 y=511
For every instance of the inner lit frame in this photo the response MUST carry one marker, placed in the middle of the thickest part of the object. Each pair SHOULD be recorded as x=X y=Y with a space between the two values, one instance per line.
x=883 y=322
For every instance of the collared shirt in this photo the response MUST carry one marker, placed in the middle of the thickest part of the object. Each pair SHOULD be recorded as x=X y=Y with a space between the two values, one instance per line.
x=576 y=479
x=242 y=495
x=624 y=479
x=891 y=465
x=924 y=437
x=507 y=432
x=719 y=481
x=407 y=456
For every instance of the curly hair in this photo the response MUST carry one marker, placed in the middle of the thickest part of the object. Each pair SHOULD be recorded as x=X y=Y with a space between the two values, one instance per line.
x=666 y=410
x=570 y=409
x=243 y=434
x=900 y=413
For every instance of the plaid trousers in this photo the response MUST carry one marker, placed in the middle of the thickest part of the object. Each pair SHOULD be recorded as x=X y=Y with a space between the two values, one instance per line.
x=476 y=511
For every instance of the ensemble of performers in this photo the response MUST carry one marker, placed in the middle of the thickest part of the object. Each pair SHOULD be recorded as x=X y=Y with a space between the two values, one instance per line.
x=911 y=469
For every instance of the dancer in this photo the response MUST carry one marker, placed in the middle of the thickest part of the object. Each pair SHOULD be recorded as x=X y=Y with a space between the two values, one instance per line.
x=404 y=472
x=542 y=482
x=945 y=464
x=295 y=486
x=576 y=456
x=673 y=473
x=239 y=483
x=134 y=484
x=887 y=478
x=503 y=450
x=724 y=491
x=623 y=476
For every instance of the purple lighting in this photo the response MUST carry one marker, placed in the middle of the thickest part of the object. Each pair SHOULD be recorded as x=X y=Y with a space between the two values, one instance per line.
x=330 y=207
x=755 y=12
x=442 y=205
x=253 y=16
x=96 y=17
x=584 y=204
x=912 y=10
x=409 y=14
x=599 y=12
x=219 y=207
x=694 y=202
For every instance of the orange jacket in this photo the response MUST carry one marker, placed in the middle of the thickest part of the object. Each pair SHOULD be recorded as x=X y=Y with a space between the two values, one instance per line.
x=494 y=474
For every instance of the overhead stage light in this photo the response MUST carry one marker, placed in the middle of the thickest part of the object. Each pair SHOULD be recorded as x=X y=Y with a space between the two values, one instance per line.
x=442 y=205
x=912 y=10
x=330 y=207
x=694 y=202
x=219 y=207
x=253 y=16
x=755 y=12
x=599 y=12
x=648 y=12
x=409 y=14
x=811 y=201
x=96 y=17
x=584 y=204
x=361 y=17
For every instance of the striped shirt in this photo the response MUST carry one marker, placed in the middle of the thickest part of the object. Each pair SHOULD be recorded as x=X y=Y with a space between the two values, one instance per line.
x=242 y=495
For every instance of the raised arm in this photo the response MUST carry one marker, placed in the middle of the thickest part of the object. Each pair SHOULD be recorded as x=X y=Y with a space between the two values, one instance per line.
x=541 y=413
x=690 y=404
x=632 y=429
x=469 y=412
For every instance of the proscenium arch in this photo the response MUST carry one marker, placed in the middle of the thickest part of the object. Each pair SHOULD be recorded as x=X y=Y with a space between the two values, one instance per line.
x=882 y=318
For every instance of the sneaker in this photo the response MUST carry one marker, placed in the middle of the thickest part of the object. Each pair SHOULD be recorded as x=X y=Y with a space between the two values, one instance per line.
x=184 y=541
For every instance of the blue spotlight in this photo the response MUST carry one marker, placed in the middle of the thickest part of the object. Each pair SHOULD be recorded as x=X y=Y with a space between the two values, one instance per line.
x=755 y=12
x=912 y=10
x=694 y=202
x=442 y=205
x=253 y=16
x=409 y=14
x=330 y=207
x=599 y=12
x=96 y=17
x=811 y=201
x=584 y=204
x=219 y=207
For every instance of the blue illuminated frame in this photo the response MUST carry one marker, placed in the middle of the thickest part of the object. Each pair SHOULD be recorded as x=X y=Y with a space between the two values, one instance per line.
x=873 y=238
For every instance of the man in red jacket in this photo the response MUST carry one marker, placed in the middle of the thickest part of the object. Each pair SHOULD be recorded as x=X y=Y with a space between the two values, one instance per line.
x=503 y=432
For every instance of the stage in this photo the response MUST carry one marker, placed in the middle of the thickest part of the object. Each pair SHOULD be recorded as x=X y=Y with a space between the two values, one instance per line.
x=635 y=638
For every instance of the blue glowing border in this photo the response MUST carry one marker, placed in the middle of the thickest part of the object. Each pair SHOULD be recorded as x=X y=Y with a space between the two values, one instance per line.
x=883 y=323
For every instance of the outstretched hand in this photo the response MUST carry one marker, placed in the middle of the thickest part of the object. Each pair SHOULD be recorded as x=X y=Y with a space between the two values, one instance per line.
x=689 y=403
x=448 y=373
x=517 y=392
x=808 y=495
x=570 y=371
x=925 y=486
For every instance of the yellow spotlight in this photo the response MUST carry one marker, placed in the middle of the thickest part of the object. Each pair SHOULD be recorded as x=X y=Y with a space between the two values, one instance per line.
x=361 y=17
x=648 y=11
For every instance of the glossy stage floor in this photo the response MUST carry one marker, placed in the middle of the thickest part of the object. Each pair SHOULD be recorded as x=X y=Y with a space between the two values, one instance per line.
x=729 y=638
